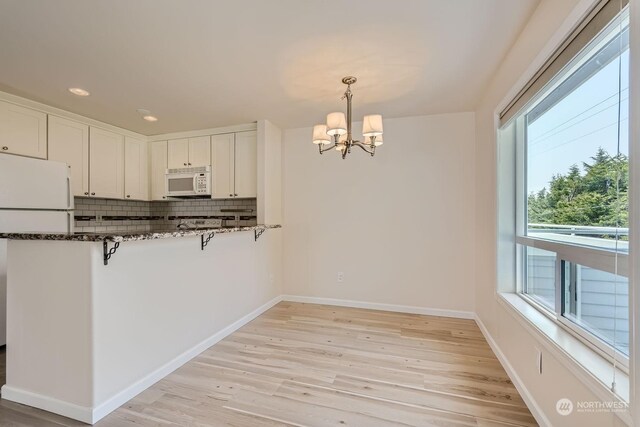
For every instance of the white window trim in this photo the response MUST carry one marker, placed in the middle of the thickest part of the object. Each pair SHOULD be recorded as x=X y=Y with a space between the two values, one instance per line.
x=594 y=371
x=600 y=348
x=505 y=286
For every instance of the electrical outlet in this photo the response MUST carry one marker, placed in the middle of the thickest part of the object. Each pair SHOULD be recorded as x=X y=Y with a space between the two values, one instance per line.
x=340 y=276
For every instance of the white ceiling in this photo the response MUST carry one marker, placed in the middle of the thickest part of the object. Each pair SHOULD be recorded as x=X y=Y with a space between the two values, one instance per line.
x=203 y=63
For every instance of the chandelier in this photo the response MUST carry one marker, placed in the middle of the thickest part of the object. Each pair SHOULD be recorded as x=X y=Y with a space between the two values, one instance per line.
x=338 y=129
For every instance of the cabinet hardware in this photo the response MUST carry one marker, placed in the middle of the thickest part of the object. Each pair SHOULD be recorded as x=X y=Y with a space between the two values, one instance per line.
x=230 y=195
x=93 y=194
x=5 y=148
x=189 y=164
x=86 y=193
x=185 y=164
x=235 y=195
x=107 y=253
x=164 y=197
x=128 y=195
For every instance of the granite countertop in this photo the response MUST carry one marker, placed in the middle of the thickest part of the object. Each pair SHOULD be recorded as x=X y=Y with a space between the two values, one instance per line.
x=125 y=237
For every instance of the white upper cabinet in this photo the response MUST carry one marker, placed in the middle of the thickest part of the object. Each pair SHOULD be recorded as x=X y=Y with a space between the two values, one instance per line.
x=200 y=151
x=246 y=164
x=235 y=165
x=158 y=159
x=136 y=182
x=68 y=142
x=178 y=153
x=23 y=131
x=106 y=164
x=189 y=152
x=222 y=165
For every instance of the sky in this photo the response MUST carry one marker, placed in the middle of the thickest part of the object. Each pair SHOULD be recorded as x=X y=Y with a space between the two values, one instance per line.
x=572 y=131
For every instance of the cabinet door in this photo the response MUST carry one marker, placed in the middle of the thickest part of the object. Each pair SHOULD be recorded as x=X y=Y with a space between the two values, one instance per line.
x=200 y=151
x=158 y=156
x=136 y=183
x=69 y=143
x=178 y=153
x=222 y=166
x=23 y=131
x=246 y=164
x=106 y=164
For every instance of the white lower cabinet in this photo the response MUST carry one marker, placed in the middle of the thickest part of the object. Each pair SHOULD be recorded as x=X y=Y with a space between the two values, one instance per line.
x=106 y=164
x=234 y=161
x=136 y=182
x=68 y=142
x=23 y=131
x=158 y=161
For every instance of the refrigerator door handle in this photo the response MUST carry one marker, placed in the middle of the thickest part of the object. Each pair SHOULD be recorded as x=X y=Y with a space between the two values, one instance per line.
x=69 y=192
x=69 y=222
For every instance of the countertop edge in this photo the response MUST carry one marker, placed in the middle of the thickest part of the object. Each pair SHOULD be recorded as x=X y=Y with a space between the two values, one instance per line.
x=126 y=237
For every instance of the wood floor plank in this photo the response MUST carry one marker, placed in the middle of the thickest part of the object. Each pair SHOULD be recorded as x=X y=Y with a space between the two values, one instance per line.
x=314 y=365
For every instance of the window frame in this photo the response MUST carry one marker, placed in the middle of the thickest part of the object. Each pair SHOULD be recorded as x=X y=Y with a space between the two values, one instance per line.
x=611 y=261
x=608 y=260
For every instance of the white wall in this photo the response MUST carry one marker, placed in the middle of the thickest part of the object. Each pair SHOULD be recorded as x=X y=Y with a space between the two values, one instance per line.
x=551 y=20
x=85 y=337
x=269 y=173
x=399 y=225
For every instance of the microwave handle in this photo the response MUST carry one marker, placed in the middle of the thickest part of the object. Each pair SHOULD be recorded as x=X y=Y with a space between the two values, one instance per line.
x=195 y=175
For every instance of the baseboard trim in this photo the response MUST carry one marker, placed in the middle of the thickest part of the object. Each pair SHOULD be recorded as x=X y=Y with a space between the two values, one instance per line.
x=130 y=392
x=535 y=409
x=80 y=413
x=93 y=415
x=380 y=306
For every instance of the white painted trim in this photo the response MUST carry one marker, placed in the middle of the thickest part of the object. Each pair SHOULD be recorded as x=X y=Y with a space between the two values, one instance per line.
x=380 y=306
x=127 y=394
x=533 y=406
x=568 y=357
x=204 y=132
x=80 y=413
x=24 y=102
x=91 y=416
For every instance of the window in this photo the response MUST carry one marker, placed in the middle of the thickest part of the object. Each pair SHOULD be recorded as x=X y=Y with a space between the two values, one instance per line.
x=571 y=203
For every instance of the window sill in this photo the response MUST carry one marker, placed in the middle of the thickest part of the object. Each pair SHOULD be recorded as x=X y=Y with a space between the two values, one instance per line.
x=588 y=366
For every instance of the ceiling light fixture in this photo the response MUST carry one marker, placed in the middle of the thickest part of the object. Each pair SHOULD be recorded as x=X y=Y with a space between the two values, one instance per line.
x=78 y=91
x=338 y=126
x=146 y=115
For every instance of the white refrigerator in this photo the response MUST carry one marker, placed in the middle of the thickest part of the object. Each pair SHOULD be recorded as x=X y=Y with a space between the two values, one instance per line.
x=35 y=196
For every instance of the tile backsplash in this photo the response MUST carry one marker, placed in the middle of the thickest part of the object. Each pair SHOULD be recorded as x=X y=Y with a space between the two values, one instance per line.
x=105 y=215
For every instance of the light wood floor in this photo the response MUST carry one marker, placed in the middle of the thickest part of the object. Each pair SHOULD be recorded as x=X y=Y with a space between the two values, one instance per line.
x=313 y=365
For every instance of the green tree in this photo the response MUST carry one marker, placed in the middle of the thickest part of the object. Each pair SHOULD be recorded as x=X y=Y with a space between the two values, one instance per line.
x=596 y=195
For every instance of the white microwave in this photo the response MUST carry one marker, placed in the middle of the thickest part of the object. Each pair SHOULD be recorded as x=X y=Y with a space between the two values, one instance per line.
x=188 y=182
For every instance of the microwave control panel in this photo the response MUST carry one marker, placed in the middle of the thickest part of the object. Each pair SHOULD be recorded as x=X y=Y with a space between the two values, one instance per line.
x=201 y=183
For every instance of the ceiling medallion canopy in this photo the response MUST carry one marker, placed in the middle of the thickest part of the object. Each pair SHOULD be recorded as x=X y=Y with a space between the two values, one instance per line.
x=336 y=134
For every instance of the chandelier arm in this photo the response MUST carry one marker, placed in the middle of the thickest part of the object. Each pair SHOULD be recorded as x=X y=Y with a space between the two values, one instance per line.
x=322 y=150
x=365 y=148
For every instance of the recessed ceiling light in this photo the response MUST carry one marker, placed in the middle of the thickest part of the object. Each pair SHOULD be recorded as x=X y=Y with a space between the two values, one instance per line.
x=78 y=91
x=150 y=118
